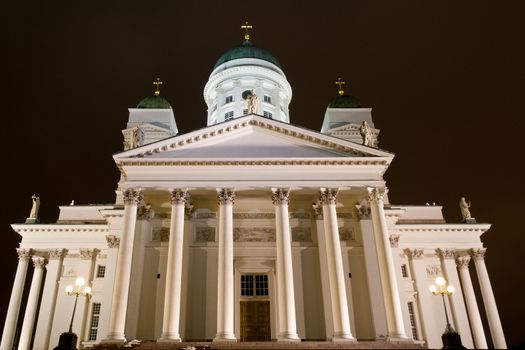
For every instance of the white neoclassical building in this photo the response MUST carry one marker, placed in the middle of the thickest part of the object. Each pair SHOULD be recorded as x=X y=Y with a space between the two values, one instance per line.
x=250 y=229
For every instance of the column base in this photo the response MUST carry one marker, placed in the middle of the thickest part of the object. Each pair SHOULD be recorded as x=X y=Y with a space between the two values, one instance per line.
x=288 y=337
x=114 y=338
x=169 y=338
x=225 y=337
x=399 y=338
x=343 y=337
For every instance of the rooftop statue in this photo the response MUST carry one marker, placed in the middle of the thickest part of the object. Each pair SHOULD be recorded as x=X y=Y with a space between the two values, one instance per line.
x=465 y=208
x=33 y=215
x=252 y=103
x=366 y=134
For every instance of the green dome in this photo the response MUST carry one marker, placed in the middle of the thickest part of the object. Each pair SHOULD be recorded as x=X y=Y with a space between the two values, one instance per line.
x=247 y=50
x=154 y=102
x=345 y=101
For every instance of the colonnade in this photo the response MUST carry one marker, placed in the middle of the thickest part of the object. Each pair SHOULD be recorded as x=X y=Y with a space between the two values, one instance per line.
x=287 y=328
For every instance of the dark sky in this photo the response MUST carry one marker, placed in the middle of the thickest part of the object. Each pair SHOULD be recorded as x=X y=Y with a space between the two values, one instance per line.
x=445 y=80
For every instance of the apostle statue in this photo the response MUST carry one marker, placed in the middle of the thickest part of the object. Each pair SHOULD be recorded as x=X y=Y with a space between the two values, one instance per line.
x=465 y=209
x=366 y=134
x=252 y=103
x=33 y=215
x=137 y=137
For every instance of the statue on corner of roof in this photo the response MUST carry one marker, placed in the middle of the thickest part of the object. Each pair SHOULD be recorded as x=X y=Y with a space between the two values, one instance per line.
x=366 y=134
x=33 y=215
x=465 y=211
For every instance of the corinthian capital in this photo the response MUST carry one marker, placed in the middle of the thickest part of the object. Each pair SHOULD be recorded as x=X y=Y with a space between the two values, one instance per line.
x=478 y=253
x=462 y=262
x=394 y=240
x=446 y=253
x=179 y=196
x=39 y=262
x=280 y=196
x=57 y=254
x=375 y=194
x=88 y=254
x=328 y=196
x=225 y=196
x=113 y=241
x=24 y=254
x=416 y=253
x=132 y=196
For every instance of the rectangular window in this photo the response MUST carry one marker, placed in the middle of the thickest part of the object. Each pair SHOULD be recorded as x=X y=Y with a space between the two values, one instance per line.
x=267 y=99
x=267 y=114
x=412 y=316
x=254 y=285
x=93 y=326
x=101 y=271
x=404 y=270
x=244 y=111
x=228 y=115
x=228 y=99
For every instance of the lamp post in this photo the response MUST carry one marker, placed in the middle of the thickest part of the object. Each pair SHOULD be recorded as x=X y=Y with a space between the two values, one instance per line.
x=68 y=340
x=451 y=339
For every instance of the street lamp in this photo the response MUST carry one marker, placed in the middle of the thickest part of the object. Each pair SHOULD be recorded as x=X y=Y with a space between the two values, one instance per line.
x=451 y=339
x=68 y=340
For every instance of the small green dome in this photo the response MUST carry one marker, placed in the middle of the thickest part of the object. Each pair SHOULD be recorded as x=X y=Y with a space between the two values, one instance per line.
x=154 y=102
x=345 y=101
x=246 y=50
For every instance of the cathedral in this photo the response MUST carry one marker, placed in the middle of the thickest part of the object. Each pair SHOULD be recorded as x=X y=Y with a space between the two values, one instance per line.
x=250 y=229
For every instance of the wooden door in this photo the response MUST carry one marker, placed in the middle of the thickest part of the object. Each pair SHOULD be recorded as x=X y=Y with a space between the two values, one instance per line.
x=255 y=320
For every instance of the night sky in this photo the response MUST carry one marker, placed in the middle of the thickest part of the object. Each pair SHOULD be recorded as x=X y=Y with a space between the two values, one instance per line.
x=445 y=80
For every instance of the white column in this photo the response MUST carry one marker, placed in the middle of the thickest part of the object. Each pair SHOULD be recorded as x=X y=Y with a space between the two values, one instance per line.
x=113 y=242
x=117 y=319
x=285 y=286
x=172 y=297
x=426 y=312
x=396 y=328
x=11 y=318
x=49 y=298
x=32 y=303
x=470 y=298
x=336 y=276
x=457 y=304
x=496 y=331
x=225 y=306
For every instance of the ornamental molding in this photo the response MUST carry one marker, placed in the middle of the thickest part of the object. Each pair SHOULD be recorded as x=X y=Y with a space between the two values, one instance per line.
x=59 y=228
x=39 y=262
x=254 y=234
x=57 y=254
x=442 y=228
x=158 y=162
x=446 y=253
x=24 y=254
x=378 y=157
x=88 y=254
x=462 y=262
x=225 y=196
x=179 y=196
x=363 y=210
x=280 y=196
x=394 y=240
x=205 y=234
x=433 y=271
x=254 y=215
x=132 y=196
x=415 y=254
x=113 y=241
x=478 y=253
x=328 y=196
x=375 y=195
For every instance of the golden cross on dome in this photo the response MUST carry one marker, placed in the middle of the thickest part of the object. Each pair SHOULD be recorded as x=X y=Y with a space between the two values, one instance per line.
x=340 y=83
x=246 y=28
x=157 y=84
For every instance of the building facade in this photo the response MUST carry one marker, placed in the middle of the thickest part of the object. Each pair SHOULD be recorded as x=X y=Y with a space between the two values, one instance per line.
x=250 y=229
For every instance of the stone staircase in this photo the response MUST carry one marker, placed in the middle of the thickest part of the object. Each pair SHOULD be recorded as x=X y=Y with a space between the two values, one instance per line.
x=270 y=345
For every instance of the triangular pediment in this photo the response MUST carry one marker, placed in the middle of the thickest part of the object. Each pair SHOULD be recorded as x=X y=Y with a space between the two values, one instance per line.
x=251 y=137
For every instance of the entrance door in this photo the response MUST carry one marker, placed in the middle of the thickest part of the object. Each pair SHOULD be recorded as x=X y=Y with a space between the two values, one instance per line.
x=255 y=320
